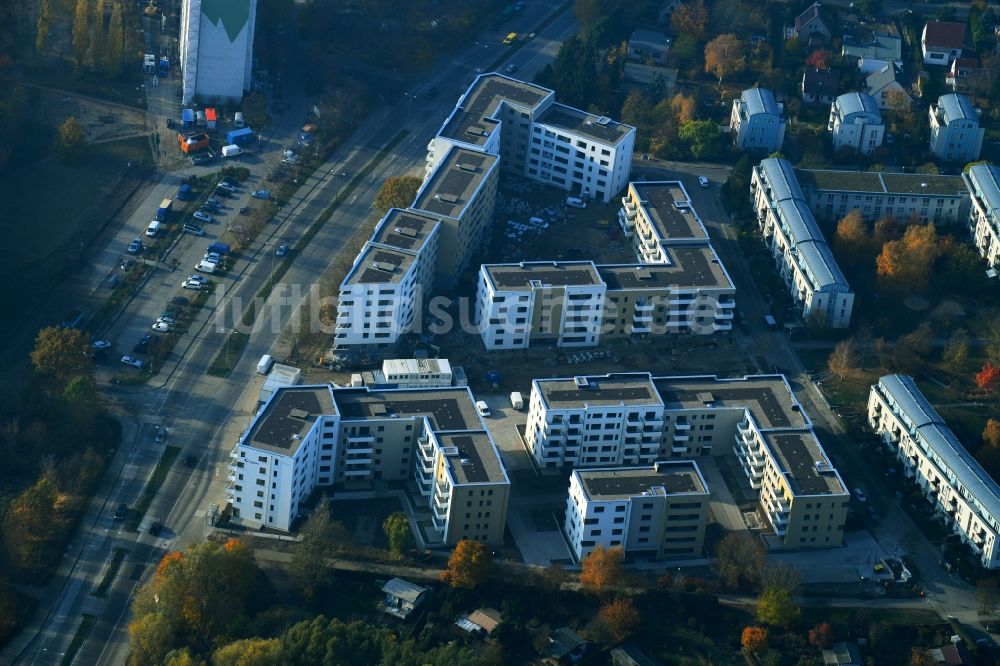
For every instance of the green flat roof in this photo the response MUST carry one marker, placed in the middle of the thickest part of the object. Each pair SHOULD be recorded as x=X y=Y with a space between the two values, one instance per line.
x=881 y=182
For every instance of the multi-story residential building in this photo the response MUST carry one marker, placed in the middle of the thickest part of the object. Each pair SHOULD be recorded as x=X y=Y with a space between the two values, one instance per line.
x=308 y=437
x=216 y=49
x=964 y=495
x=538 y=138
x=635 y=419
x=983 y=182
x=879 y=41
x=657 y=215
x=906 y=196
x=461 y=192
x=803 y=258
x=756 y=121
x=659 y=510
x=941 y=42
x=382 y=295
x=955 y=132
x=855 y=122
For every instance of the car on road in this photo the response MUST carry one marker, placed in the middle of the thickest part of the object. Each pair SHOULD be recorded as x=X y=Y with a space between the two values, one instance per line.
x=121 y=512
x=132 y=361
x=703 y=181
x=260 y=194
x=482 y=408
x=135 y=247
x=200 y=279
x=860 y=495
x=161 y=327
x=193 y=229
x=156 y=528
x=282 y=250
x=190 y=461
x=101 y=344
x=227 y=186
x=161 y=435
x=511 y=68
x=192 y=285
x=202 y=215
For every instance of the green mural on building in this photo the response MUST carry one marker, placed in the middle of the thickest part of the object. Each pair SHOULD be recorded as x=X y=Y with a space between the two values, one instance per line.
x=234 y=14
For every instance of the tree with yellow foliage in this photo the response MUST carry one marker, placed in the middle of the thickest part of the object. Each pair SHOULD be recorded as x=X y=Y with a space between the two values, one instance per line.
x=469 y=565
x=602 y=568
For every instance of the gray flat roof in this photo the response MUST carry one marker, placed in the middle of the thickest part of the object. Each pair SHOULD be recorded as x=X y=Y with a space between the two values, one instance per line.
x=599 y=391
x=474 y=459
x=625 y=482
x=658 y=199
x=405 y=229
x=880 y=182
x=447 y=409
x=450 y=189
x=288 y=416
x=797 y=454
x=379 y=265
x=690 y=266
x=471 y=121
x=599 y=128
x=767 y=397
x=518 y=277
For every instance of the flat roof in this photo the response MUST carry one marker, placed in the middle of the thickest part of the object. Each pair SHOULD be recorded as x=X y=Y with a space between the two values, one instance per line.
x=447 y=408
x=767 y=397
x=689 y=266
x=599 y=128
x=405 y=229
x=472 y=123
x=287 y=417
x=379 y=265
x=450 y=189
x=472 y=458
x=797 y=454
x=670 y=478
x=599 y=390
x=550 y=273
x=659 y=199
x=882 y=182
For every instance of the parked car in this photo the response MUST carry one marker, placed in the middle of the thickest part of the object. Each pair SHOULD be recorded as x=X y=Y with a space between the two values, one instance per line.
x=101 y=344
x=511 y=68
x=212 y=203
x=192 y=285
x=127 y=264
x=121 y=512
x=161 y=327
x=227 y=186
x=200 y=279
x=703 y=181
x=225 y=194
x=156 y=528
x=132 y=361
x=202 y=215
x=482 y=408
x=179 y=301
x=193 y=229
x=161 y=435
x=282 y=250
x=860 y=495
x=169 y=317
x=261 y=194
x=135 y=247
x=201 y=158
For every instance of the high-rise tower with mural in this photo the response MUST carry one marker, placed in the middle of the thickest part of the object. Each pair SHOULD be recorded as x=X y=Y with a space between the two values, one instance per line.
x=217 y=48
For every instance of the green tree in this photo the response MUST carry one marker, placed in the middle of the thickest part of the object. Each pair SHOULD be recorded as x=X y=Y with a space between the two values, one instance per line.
x=61 y=352
x=396 y=192
x=44 y=25
x=32 y=526
x=81 y=32
x=249 y=652
x=469 y=565
x=310 y=567
x=183 y=657
x=739 y=558
x=702 y=137
x=70 y=140
x=115 y=43
x=333 y=643
x=97 y=45
x=587 y=12
x=397 y=530
x=776 y=607
x=151 y=638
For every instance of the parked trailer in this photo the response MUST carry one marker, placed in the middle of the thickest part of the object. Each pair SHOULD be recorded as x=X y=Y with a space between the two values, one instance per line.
x=164 y=210
x=164 y=67
x=184 y=192
x=239 y=137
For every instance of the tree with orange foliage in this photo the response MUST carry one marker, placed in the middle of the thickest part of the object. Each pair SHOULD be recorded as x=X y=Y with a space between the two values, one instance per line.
x=469 y=565
x=684 y=108
x=602 y=568
x=851 y=242
x=724 y=56
x=988 y=378
x=620 y=617
x=821 y=635
x=690 y=18
x=820 y=59
x=753 y=640
x=905 y=264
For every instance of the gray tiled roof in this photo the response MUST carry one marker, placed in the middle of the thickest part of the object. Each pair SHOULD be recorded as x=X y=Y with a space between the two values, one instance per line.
x=760 y=100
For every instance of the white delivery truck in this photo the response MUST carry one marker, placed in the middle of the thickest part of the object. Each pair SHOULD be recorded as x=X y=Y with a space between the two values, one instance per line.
x=153 y=229
x=264 y=364
x=516 y=401
x=232 y=150
x=206 y=266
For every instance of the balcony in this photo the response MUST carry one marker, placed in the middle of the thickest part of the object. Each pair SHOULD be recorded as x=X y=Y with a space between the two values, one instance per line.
x=682 y=425
x=680 y=437
x=678 y=450
x=234 y=453
x=642 y=320
x=357 y=473
x=638 y=329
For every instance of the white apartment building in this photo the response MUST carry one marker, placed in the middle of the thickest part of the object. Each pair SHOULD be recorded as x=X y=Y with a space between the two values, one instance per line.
x=383 y=294
x=536 y=137
x=756 y=121
x=955 y=132
x=659 y=510
x=216 y=49
x=919 y=197
x=308 y=437
x=983 y=182
x=964 y=495
x=856 y=122
x=802 y=256
x=635 y=419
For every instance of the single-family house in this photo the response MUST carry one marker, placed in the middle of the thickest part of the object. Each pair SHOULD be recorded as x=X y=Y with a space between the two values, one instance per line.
x=819 y=86
x=627 y=654
x=885 y=87
x=843 y=654
x=810 y=25
x=951 y=655
x=565 y=647
x=880 y=41
x=942 y=41
x=965 y=75
x=402 y=597
x=649 y=46
x=482 y=620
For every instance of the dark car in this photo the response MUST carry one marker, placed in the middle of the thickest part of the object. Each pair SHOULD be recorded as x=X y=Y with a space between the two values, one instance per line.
x=120 y=512
x=179 y=300
x=872 y=515
x=190 y=461
x=222 y=193
x=155 y=529
x=145 y=342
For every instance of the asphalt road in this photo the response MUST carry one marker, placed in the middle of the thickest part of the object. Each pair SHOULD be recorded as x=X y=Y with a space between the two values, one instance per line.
x=204 y=414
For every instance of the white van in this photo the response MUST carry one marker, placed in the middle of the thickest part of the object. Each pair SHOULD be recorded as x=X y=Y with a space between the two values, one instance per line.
x=264 y=364
x=516 y=400
x=205 y=266
x=232 y=150
x=576 y=202
x=153 y=229
x=482 y=408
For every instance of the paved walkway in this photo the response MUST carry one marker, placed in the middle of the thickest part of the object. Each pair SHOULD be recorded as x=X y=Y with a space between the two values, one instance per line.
x=722 y=504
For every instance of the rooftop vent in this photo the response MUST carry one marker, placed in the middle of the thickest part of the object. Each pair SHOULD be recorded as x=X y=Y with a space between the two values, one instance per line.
x=823 y=467
x=383 y=266
x=535 y=284
x=706 y=398
x=643 y=274
x=603 y=120
x=298 y=414
x=406 y=231
x=378 y=409
x=447 y=198
x=449 y=450
x=476 y=130
x=465 y=166
x=682 y=205
x=581 y=382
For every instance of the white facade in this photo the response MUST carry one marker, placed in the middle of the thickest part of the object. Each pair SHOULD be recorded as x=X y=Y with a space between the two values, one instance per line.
x=965 y=497
x=855 y=122
x=756 y=121
x=983 y=181
x=417 y=372
x=941 y=42
x=955 y=132
x=216 y=49
x=802 y=256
